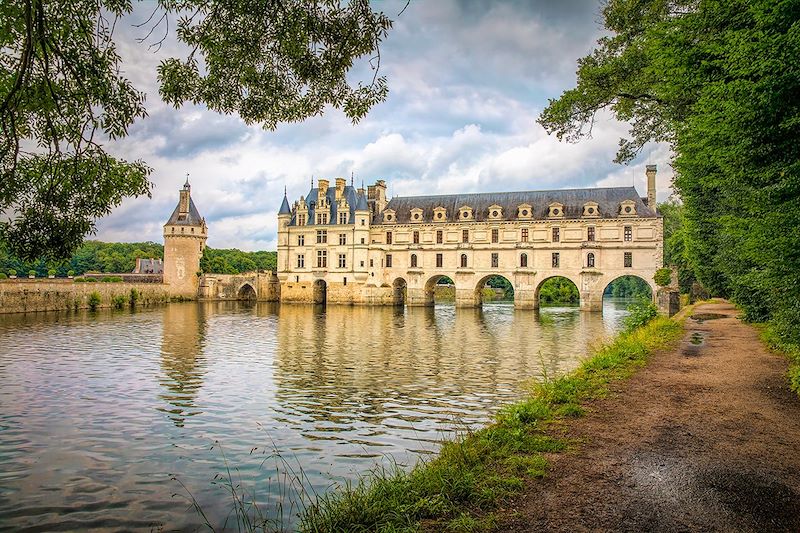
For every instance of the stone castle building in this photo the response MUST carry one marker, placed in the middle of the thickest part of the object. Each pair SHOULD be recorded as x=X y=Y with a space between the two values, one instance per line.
x=185 y=235
x=344 y=245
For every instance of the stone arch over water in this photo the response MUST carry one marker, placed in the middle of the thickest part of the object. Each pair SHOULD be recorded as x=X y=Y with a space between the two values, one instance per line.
x=557 y=288
x=246 y=292
x=320 y=292
x=495 y=281
x=399 y=291
x=430 y=287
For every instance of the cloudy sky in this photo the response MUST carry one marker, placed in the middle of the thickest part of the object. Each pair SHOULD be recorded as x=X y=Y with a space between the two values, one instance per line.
x=467 y=80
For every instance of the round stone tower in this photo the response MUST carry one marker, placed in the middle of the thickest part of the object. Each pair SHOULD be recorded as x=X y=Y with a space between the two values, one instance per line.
x=185 y=235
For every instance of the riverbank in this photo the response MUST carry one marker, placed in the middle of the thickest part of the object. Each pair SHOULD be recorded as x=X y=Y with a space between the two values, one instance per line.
x=706 y=437
x=35 y=295
x=463 y=486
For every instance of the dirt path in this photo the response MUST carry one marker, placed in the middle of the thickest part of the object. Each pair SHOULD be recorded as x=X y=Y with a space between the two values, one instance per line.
x=705 y=437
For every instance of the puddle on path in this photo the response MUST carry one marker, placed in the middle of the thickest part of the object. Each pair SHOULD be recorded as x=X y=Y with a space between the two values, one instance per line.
x=696 y=341
x=702 y=317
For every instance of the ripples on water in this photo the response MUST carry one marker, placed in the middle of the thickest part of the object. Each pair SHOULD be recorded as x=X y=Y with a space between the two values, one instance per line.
x=98 y=411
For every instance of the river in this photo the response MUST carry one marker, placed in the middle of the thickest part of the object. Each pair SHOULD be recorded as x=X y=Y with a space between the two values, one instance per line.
x=121 y=419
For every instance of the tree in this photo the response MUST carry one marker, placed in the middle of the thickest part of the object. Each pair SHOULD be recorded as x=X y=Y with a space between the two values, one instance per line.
x=62 y=94
x=720 y=81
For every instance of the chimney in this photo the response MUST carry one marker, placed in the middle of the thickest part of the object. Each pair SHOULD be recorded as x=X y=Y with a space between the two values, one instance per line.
x=651 y=186
x=340 y=184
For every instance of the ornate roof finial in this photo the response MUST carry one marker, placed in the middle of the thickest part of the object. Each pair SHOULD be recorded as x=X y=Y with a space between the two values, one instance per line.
x=351 y=177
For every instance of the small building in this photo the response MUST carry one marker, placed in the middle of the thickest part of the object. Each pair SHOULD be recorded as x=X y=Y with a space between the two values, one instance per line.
x=148 y=266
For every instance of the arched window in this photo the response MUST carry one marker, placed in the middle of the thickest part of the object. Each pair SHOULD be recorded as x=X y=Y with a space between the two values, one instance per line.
x=463 y=260
x=590 y=260
x=523 y=260
x=413 y=260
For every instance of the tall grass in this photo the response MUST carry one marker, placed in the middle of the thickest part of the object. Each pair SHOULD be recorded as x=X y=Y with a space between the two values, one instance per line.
x=459 y=488
x=778 y=343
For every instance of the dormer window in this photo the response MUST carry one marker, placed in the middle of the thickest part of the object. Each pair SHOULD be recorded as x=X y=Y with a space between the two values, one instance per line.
x=465 y=213
x=627 y=208
x=591 y=210
x=389 y=216
x=524 y=211
x=495 y=212
x=415 y=215
x=439 y=214
x=555 y=210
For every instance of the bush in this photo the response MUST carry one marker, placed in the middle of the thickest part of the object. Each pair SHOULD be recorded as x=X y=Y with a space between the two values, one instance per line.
x=119 y=301
x=51 y=272
x=70 y=273
x=3 y=276
x=111 y=279
x=134 y=297
x=663 y=277
x=94 y=300
x=79 y=280
x=32 y=273
x=90 y=280
x=639 y=314
x=12 y=272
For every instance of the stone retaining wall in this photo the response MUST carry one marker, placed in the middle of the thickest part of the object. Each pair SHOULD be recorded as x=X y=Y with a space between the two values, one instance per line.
x=31 y=295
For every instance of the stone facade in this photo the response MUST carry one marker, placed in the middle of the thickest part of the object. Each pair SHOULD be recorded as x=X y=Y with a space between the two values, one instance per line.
x=185 y=235
x=345 y=245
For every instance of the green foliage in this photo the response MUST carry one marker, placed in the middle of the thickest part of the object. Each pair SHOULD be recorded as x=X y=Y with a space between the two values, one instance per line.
x=499 y=282
x=111 y=279
x=70 y=273
x=31 y=273
x=720 y=81
x=628 y=287
x=233 y=261
x=12 y=272
x=63 y=94
x=94 y=300
x=134 y=297
x=776 y=341
x=51 y=272
x=3 y=276
x=640 y=313
x=674 y=217
x=473 y=475
x=558 y=291
x=663 y=277
x=119 y=301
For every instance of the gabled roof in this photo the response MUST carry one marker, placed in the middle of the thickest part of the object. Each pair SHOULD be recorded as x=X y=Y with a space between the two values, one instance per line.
x=608 y=200
x=349 y=193
x=192 y=218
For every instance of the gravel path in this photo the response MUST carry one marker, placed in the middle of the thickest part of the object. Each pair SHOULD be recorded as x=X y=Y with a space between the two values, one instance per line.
x=706 y=437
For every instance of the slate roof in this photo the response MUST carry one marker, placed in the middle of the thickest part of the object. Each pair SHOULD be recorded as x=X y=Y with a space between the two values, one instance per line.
x=285 y=210
x=608 y=200
x=355 y=202
x=192 y=219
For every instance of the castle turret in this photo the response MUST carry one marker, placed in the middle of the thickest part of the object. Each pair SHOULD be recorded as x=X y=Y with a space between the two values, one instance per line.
x=185 y=235
x=284 y=218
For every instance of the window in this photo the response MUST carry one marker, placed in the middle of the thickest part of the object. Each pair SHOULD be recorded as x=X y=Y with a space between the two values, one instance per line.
x=628 y=233
x=345 y=280
x=388 y=260
x=301 y=261
x=590 y=260
x=388 y=237
x=322 y=236
x=322 y=218
x=556 y=234
x=322 y=259
x=343 y=217
x=362 y=240
x=495 y=260
x=524 y=235
x=523 y=260
x=301 y=240
x=439 y=261
x=362 y=264
x=363 y=221
x=343 y=238
x=301 y=220
x=413 y=260
x=342 y=261
x=495 y=235
x=416 y=237
x=464 y=235
x=590 y=233
x=556 y=259
x=439 y=237
x=371 y=263
x=463 y=260
x=628 y=260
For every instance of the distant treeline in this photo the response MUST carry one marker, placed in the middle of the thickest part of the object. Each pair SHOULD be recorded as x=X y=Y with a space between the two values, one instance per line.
x=120 y=257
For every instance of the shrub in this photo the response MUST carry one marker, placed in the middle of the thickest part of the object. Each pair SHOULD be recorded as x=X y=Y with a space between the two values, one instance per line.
x=118 y=301
x=70 y=273
x=51 y=272
x=32 y=273
x=134 y=297
x=94 y=300
x=12 y=272
x=111 y=279
x=90 y=280
x=640 y=313
x=3 y=276
x=79 y=280
x=663 y=277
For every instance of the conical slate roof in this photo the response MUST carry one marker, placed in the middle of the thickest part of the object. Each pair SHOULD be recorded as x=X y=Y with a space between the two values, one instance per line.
x=192 y=218
x=285 y=209
x=362 y=205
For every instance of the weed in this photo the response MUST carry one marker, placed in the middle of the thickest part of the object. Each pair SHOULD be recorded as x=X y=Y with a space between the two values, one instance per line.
x=94 y=300
x=119 y=301
x=792 y=351
x=134 y=297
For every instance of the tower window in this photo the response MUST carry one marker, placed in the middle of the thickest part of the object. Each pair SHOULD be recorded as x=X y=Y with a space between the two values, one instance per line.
x=388 y=260
x=439 y=237
x=590 y=233
x=413 y=260
x=628 y=260
x=388 y=237
x=343 y=238
x=301 y=240
x=628 y=232
x=495 y=235
x=590 y=260
x=556 y=234
x=439 y=261
x=464 y=235
x=416 y=237
x=495 y=260
x=463 y=260
x=523 y=260
x=556 y=259
x=524 y=235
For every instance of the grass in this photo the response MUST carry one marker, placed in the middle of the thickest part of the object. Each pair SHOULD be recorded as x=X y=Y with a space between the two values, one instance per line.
x=459 y=489
x=792 y=352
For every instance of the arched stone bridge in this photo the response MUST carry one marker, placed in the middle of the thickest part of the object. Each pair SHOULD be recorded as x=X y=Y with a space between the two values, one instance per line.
x=261 y=286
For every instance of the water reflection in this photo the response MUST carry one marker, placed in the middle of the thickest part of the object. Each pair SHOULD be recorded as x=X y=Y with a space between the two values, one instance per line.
x=182 y=360
x=98 y=410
